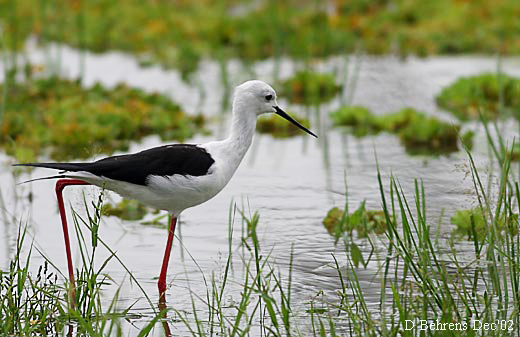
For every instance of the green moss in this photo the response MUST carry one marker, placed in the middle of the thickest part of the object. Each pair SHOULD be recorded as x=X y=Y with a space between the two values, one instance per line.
x=429 y=135
x=362 y=221
x=359 y=118
x=75 y=122
x=473 y=224
x=397 y=121
x=419 y=133
x=133 y=210
x=127 y=209
x=470 y=96
x=279 y=127
x=306 y=87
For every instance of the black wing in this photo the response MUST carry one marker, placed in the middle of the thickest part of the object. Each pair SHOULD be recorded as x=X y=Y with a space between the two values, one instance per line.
x=185 y=159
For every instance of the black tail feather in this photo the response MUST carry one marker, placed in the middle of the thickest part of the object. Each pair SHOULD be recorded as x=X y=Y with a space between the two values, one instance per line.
x=57 y=166
x=44 y=178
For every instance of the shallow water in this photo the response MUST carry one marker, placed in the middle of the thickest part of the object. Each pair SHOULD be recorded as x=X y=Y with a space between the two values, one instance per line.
x=292 y=183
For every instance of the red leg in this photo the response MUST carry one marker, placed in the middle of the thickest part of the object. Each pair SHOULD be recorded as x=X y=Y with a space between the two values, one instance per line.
x=166 y=326
x=60 y=185
x=164 y=269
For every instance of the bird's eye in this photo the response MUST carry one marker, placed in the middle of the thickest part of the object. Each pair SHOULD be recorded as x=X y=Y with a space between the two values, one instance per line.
x=269 y=97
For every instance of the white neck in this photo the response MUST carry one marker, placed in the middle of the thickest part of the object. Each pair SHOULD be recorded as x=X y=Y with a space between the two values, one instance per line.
x=228 y=153
x=243 y=126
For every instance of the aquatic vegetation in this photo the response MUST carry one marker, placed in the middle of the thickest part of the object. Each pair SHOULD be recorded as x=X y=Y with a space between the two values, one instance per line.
x=359 y=118
x=474 y=224
x=129 y=209
x=420 y=134
x=488 y=94
x=70 y=121
x=467 y=139
x=429 y=135
x=514 y=153
x=279 y=127
x=363 y=221
x=397 y=121
x=179 y=34
x=126 y=209
x=306 y=87
x=27 y=299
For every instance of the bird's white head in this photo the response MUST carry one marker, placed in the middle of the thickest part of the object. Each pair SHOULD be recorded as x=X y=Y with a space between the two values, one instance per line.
x=257 y=97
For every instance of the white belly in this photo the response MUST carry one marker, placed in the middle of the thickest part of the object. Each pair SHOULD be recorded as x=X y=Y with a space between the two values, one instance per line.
x=172 y=193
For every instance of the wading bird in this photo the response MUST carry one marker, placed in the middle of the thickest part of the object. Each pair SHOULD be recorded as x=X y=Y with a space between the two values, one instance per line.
x=173 y=177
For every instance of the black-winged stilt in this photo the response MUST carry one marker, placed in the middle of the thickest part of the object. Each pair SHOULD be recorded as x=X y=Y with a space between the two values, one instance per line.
x=173 y=177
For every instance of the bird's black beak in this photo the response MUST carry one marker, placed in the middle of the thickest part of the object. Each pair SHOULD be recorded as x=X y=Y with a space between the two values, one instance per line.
x=283 y=114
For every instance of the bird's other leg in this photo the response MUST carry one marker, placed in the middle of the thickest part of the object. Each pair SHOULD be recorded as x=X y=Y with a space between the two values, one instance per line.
x=166 y=259
x=60 y=185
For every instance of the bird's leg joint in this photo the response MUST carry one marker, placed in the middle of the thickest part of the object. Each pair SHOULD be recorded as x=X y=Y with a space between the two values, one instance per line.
x=62 y=183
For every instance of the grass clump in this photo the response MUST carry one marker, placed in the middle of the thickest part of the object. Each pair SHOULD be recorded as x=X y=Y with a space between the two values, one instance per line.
x=363 y=221
x=264 y=307
x=306 y=87
x=279 y=127
x=473 y=224
x=419 y=133
x=491 y=95
x=27 y=301
x=41 y=303
x=424 y=135
x=75 y=122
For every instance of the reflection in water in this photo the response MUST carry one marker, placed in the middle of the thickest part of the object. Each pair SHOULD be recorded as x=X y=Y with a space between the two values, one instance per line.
x=345 y=152
x=201 y=95
x=178 y=235
x=323 y=131
x=16 y=206
x=70 y=331
x=225 y=102
x=352 y=81
x=7 y=236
